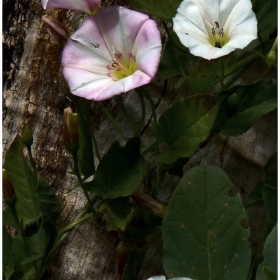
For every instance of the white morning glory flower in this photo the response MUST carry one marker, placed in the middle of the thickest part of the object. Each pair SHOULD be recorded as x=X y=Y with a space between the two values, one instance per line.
x=214 y=28
x=87 y=6
x=112 y=52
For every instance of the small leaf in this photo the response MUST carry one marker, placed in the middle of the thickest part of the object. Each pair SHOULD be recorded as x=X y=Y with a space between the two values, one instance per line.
x=250 y=103
x=50 y=208
x=268 y=269
x=24 y=182
x=185 y=126
x=202 y=233
x=120 y=172
x=120 y=213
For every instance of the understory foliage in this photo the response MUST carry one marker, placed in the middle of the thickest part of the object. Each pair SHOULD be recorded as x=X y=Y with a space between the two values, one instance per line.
x=204 y=225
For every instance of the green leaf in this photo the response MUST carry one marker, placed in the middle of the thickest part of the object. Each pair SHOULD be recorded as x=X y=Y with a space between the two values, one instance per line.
x=185 y=126
x=120 y=213
x=24 y=182
x=164 y=9
x=120 y=172
x=85 y=152
x=268 y=269
x=270 y=200
x=266 y=11
x=247 y=103
x=204 y=76
x=8 y=262
x=174 y=60
x=50 y=208
x=202 y=233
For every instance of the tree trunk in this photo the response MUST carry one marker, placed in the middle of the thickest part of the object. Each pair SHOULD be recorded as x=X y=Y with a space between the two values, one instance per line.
x=34 y=94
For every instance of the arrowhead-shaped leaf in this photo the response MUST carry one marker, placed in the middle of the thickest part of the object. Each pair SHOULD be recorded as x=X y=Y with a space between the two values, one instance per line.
x=185 y=126
x=24 y=182
x=250 y=103
x=120 y=172
x=202 y=233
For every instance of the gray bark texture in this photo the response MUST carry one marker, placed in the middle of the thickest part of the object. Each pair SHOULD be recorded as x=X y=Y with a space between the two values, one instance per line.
x=34 y=94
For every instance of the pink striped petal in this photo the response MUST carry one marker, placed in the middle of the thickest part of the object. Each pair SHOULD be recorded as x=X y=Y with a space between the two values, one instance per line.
x=86 y=6
x=112 y=52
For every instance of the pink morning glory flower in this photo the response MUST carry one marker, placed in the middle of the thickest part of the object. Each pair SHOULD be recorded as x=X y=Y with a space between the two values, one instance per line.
x=112 y=52
x=87 y=6
x=214 y=28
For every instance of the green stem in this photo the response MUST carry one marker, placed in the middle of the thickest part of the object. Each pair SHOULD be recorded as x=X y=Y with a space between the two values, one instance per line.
x=112 y=120
x=169 y=37
x=96 y=147
x=62 y=236
x=126 y=114
x=240 y=63
x=149 y=98
x=148 y=148
x=222 y=63
x=143 y=113
x=77 y=172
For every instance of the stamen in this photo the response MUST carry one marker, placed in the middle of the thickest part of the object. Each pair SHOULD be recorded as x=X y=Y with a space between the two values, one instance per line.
x=217 y=24
x=95 y=45
x=221 y=32
x=213 y=30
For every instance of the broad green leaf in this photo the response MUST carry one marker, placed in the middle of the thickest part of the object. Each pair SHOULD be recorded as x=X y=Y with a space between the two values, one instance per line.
x=268 y=269
x=164 y=9
x=206 y=74
x=266 y=11
x=24 y=182
x=120 y=172
x=185 y=126
x=174 y=60
x=202 y=233
x=120 y=213
x=251 y=102
x=50 y=208
x=85 y=152
x=8 y=262
x=270 y=200
x=10 y=218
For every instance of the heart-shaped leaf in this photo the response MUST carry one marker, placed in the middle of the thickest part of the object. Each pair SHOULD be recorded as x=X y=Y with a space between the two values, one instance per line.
x=202 y=233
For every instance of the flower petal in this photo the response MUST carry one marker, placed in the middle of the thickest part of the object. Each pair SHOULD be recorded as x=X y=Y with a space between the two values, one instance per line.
x=119 y=27
x=87 y=6
x=147 y=48
x=91 y=67
x=195 y=19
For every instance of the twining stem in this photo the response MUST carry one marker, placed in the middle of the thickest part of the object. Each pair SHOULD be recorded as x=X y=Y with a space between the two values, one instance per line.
x=96 y=147
x=126 y=114
x=170 y=38
x=61 y=238
x=222 y=63
x=143 y=113
x=150 y=100
x=112 y=120
x=77 y=172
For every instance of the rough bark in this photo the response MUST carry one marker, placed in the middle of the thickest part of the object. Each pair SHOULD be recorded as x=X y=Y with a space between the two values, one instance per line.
x=34 y=94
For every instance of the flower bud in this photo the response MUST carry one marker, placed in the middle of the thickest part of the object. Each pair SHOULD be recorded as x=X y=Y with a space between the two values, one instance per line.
x=8 y=189
x=271 y=58
x=27 y=136
x=70 y=131
x=56 y=29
